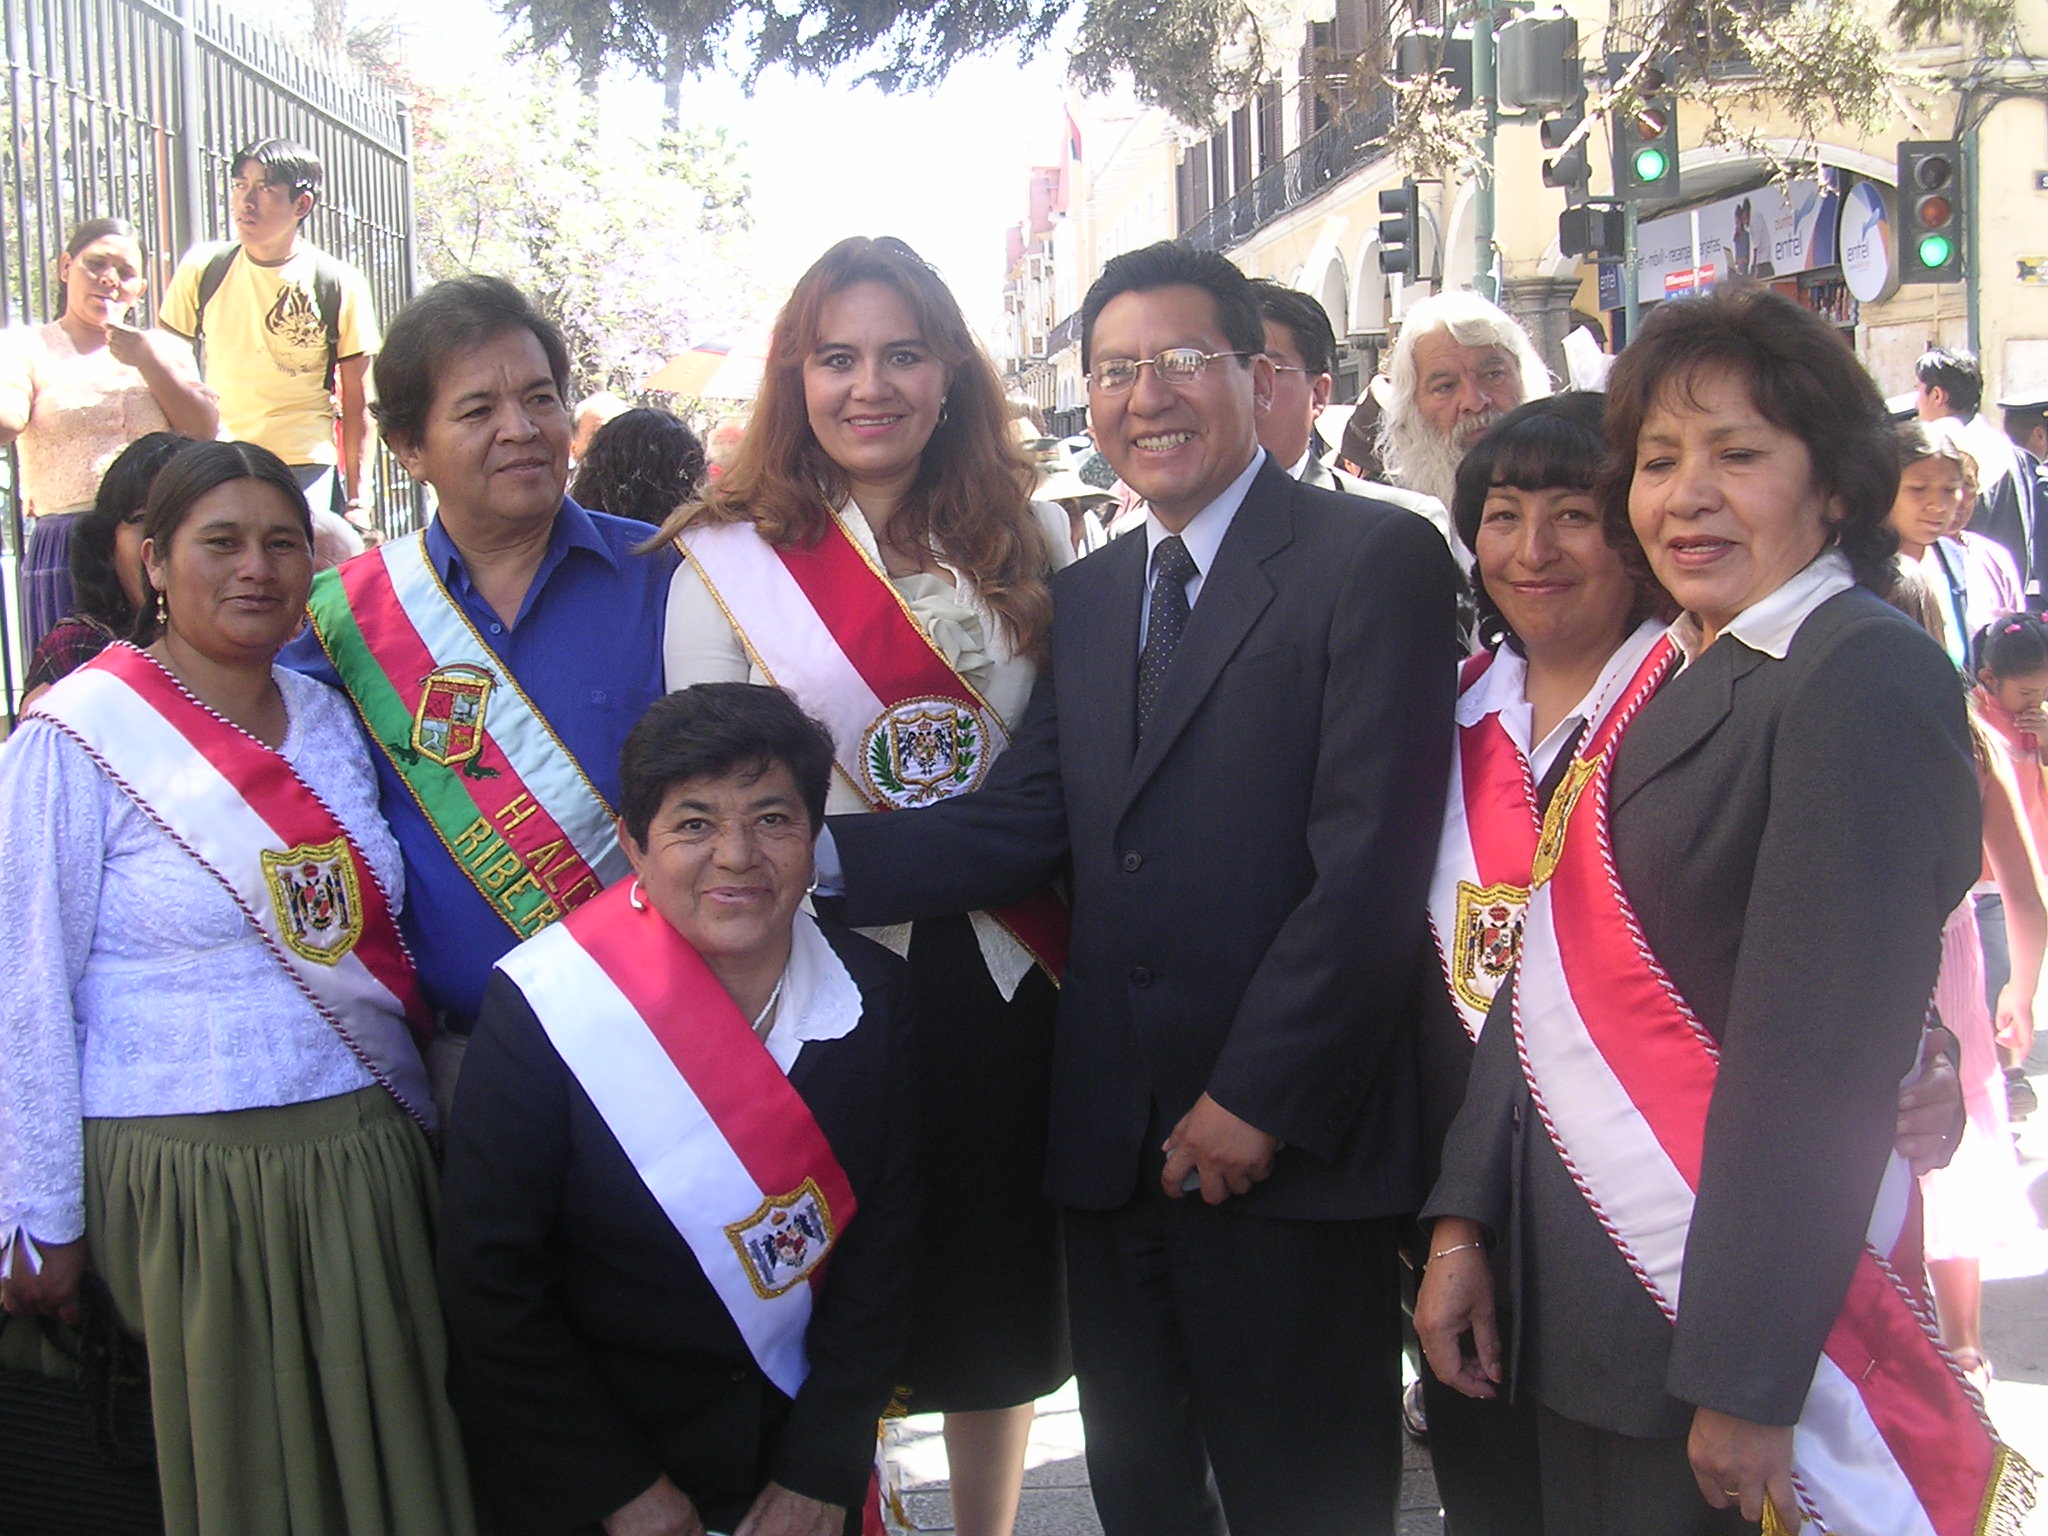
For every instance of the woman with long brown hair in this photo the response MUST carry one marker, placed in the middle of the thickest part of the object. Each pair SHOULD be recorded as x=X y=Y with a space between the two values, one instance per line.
x=875 y=551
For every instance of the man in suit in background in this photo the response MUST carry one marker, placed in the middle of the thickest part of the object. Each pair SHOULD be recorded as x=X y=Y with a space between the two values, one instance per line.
x=1302 y=347
x=1240 y=742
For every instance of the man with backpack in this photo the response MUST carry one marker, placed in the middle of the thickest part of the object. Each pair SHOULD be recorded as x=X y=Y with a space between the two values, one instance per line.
x=282 y=328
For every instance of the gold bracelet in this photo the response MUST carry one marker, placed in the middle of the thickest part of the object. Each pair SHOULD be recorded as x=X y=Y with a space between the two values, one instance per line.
x=1444 y=1253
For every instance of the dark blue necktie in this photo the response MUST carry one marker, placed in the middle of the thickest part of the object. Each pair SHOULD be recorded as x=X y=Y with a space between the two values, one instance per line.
x=1168 y=616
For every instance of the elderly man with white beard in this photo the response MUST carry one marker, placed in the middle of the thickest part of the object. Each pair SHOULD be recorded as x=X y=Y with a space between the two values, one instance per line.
x=1460 y=365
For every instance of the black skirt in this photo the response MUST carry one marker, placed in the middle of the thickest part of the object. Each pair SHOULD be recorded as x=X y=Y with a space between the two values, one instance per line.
x=991 y=1317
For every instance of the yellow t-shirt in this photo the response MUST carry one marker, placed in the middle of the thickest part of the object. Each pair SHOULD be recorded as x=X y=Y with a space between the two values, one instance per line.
x=266 y=348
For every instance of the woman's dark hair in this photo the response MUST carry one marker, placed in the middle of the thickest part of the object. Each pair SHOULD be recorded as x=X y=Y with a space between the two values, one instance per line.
x=2011 y=645
x=123 y=492
x=714 y=729
x=190 y=474
x=455 y=316
x=1550 y=444
x=641 y=464
x=85 y=234
x=971 y=499
x=1801 y=377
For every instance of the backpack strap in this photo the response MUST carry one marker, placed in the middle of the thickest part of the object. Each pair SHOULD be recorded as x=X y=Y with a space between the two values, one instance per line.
x=210 y=279
x=327 y=295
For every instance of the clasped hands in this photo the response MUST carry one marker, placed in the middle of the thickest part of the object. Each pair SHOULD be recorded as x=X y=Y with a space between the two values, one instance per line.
x=1227 y=1155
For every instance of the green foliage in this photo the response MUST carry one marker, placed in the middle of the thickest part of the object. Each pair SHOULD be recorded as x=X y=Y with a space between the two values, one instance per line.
x=1175 y=52
x=634 y=247
x=898 y=44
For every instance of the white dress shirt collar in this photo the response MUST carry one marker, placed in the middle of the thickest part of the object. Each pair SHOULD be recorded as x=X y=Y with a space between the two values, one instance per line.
x=819 y=999
x=1769 y=624
x=1502 y=689
x=1204 y=533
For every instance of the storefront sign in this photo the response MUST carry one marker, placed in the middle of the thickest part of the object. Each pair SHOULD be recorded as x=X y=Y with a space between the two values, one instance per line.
x=1772 y=231
x=1869 y=265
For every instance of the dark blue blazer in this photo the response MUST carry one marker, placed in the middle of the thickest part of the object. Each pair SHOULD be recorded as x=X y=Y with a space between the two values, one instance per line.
x=1249 y=882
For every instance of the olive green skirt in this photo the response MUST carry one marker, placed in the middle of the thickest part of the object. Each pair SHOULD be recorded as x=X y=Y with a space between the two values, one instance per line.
x=279 y=1265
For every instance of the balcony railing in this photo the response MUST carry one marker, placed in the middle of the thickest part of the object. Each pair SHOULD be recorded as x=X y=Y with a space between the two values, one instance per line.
x=1323 y=158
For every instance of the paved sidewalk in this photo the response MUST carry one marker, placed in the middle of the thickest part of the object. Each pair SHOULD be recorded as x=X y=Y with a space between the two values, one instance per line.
x=1056 y=1501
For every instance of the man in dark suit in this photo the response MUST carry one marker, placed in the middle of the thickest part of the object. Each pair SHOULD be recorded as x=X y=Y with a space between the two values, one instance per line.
x=1241 y=744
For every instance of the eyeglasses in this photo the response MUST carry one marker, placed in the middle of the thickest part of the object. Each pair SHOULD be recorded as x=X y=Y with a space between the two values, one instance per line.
x=1176 y=365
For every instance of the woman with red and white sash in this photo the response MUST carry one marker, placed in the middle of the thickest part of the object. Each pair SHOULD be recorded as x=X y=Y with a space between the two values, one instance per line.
x=874 y=551
x=213 y=1094
x=678 y=1209
x=1680 y=1124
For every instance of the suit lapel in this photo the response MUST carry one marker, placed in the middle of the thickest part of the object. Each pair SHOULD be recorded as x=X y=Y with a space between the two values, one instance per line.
x=1103 y=691
x=1235 y=591
x=1688 y=710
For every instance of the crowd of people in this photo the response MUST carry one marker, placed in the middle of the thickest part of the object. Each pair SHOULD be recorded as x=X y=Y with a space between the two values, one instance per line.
x=563 y=1020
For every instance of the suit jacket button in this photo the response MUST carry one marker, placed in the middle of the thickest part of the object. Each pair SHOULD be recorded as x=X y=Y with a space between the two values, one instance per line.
x=739 y=1375
x=1140 y=977
x=1133 y=862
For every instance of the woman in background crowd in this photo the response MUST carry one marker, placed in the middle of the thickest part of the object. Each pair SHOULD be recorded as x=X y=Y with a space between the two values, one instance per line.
x=77 y=391
x=875 y=551
x=642 y=464
x=106 y=564
x=214 y=1094
x=1723 y=976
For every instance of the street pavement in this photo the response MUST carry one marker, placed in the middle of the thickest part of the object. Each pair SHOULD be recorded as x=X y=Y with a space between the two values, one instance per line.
x=1056 y=1501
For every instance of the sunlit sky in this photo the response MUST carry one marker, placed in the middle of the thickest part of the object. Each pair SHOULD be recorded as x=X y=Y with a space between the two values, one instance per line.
x=944 y=170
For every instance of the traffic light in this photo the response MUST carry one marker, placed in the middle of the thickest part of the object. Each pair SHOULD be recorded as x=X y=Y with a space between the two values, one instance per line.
x=1932 y=211
x=1400 y=229
x=1570 y=168
x=1646 y=140
x=1536 y=63
x=1447 y=56
x=1592 y=229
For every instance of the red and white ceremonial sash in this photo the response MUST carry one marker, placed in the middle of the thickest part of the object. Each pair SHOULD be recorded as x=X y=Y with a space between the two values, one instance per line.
x=247 y=818
x=1481 y=883
x=506 y=797
x=722 y=1141
x=826 y=624
x=1890 y=1442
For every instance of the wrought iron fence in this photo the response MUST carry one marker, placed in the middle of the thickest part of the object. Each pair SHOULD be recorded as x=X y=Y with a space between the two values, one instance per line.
x=134 y=109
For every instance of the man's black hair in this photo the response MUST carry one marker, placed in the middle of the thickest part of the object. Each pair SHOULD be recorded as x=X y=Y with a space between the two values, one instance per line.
x=1170 y=264
x=1315 y=340
x=1956 y=375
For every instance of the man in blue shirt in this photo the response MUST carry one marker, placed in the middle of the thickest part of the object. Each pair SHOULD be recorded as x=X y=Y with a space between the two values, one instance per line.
x=499 y=658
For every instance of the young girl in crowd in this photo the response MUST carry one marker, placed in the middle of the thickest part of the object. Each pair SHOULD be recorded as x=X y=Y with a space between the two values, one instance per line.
x=1985 y=994
x=2011 y=661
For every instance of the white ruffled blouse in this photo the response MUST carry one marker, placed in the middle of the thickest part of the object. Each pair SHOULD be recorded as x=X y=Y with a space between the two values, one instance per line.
x=699 y=646
x=134 y=984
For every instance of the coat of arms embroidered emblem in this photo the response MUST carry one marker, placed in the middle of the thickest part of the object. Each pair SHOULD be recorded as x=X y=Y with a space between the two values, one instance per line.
x=784 y=1240
x=448 y=725
x=922 y=751
x=1488 y=941
x=318 y=902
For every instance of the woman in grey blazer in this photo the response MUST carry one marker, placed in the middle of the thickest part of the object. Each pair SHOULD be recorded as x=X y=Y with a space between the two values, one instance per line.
x=1726 y=965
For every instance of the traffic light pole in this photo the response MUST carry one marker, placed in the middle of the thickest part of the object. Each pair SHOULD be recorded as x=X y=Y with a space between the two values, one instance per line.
x=1631 y=295
x=1968 y=234
x=1484 y=92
